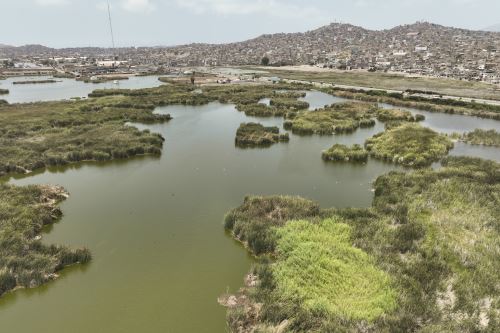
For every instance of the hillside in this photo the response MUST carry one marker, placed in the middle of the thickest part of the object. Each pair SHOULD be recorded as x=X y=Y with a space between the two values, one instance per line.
x=420 y=48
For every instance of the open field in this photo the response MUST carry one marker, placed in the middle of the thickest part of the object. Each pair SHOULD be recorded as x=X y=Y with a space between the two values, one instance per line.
x=397 y=82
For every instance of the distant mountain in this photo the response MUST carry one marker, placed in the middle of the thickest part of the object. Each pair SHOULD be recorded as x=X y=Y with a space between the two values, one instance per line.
x=495 y=28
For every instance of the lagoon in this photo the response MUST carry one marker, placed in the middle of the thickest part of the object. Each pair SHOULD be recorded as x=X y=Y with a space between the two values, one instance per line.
x=155 y=225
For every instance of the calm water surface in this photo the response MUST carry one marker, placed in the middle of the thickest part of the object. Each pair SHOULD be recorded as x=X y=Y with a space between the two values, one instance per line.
x=154 y=225
x=65 y=88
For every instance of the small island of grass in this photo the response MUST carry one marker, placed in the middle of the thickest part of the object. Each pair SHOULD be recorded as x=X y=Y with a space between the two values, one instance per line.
x=386 y=115
x=257 y=135
x=35 y=81
x=410 y=145
x=4 y=91
x=342 y=153
x=482 y=137
x=338 y=118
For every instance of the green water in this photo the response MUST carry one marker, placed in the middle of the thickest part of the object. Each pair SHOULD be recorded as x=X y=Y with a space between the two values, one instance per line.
x=154 y=226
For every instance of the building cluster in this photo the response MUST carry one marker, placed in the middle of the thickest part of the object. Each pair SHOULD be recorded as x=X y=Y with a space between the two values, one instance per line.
x=421 y=48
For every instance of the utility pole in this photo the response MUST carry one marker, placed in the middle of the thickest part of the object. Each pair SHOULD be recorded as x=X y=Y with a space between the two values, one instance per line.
x=111 y=30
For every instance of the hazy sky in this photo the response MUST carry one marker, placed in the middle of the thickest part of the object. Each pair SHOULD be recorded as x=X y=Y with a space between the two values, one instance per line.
x=60 y=23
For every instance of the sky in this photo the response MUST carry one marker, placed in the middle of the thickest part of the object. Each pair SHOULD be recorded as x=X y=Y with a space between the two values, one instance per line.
x=72 y=23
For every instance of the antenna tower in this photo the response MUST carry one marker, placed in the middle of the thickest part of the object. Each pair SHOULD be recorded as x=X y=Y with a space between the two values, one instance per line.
x=111 y=29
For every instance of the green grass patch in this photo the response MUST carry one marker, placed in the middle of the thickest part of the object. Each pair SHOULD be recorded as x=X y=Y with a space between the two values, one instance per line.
x=317 y=266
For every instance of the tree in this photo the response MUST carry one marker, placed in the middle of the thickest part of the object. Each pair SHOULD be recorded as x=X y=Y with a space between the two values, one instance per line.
x=265 y=61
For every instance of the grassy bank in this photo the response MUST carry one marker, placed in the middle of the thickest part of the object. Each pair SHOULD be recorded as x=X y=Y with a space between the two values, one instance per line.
x=257 y=135
x=342 y=153
x=24 y=260
x=482 y=137
x=423 y=258
x=338 y=118
x=431 y=105
x=409 y=145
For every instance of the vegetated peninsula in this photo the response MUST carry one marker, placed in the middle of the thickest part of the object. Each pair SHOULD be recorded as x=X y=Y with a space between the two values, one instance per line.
x=256 y=135
x=410 y=145
x=4 y=91
x=419 y=259
x=24 y=260
x=482 y=137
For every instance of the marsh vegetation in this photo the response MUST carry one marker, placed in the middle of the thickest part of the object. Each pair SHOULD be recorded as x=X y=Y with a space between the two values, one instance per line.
x=450 y=106
x=34 y=81
x=4 y=91
x=420 y=259
x=482 y=137
x=257 y=135
x=24 y=260
x=410 y=145
x=335 y=119
x=33 y=136
x=343 y=153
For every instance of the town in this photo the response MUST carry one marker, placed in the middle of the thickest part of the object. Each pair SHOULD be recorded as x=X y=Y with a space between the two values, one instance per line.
x=418 y=49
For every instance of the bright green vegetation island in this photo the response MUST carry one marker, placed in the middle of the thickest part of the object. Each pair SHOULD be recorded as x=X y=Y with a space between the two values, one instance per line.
x=410 y=145
x=343 y=153
x=423 y=258
x=257 y=135
x=24 y=260
x=482 y=137
x=338 y=118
